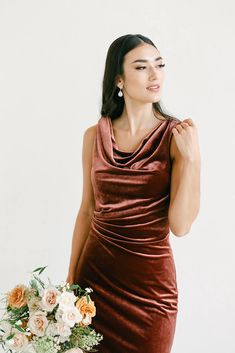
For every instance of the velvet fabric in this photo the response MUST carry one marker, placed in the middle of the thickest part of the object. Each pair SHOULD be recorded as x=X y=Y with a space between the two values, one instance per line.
x=127 y=259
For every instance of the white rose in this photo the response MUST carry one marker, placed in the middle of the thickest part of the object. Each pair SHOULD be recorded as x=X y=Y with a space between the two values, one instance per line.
x=63 y=329
x=51 y=329
x=74 y=350
x=18 y=342
x=71 y=316
x=67 y=300
x=37 y=323
x=59 y=328
x=6 y=327
x=50 y=297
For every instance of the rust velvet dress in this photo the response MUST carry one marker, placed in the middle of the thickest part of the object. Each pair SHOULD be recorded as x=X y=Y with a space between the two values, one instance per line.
x=127 y=259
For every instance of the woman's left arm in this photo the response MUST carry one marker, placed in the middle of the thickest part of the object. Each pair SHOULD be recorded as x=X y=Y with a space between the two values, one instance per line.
x=185 y=177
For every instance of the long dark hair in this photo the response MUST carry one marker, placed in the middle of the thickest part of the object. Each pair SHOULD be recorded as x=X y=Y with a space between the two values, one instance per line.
x=112 y=105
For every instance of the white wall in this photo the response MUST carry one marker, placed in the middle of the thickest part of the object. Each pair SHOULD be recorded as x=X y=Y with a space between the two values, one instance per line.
x=52 y=57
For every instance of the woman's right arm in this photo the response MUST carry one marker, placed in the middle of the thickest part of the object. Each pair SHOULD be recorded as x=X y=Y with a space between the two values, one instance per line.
x=83 y=219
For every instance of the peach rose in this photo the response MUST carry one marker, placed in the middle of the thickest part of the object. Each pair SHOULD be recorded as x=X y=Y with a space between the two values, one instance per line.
x=50 y=298
x=85 y=307
x=17 y=297
x=38 y=323
x=19 y=342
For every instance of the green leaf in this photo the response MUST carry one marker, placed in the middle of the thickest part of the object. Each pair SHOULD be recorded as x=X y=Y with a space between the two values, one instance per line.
x=39 y=281
x=40 y=269
x=19 y=328
x=87 y=298
x=43 y=268
x=33 y=284
x=9 y=337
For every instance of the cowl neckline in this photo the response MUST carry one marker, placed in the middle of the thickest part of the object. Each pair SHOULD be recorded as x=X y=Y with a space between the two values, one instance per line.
x=141 y=144
x=153 y=147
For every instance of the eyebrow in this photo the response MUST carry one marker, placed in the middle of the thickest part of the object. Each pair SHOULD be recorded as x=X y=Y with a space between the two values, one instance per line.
x=144 y=61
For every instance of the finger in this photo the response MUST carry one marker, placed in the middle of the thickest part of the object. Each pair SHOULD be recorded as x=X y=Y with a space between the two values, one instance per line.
x=175 y=131
x=179 y=127
x=189 y=121
x=184 y=124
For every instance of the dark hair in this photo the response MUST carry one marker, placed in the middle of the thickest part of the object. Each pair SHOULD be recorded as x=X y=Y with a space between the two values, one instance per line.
x=112 y=104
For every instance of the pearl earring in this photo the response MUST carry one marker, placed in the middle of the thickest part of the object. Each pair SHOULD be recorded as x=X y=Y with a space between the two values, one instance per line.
x=120 y=94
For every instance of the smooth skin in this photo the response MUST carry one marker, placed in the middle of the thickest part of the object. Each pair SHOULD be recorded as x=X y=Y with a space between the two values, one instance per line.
x=83 y=220
x=129 y=129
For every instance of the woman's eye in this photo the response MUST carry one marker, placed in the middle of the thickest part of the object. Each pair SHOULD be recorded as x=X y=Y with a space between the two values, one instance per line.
x=143 y=67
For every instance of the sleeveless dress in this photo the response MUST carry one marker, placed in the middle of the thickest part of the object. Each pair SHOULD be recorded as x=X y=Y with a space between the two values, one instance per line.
x=127 y=258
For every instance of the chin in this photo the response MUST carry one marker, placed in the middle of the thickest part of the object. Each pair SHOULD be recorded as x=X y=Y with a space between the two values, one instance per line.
x=154 y=100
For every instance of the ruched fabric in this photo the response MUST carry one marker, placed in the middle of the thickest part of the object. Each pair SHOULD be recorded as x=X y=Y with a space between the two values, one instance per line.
x=127 y=259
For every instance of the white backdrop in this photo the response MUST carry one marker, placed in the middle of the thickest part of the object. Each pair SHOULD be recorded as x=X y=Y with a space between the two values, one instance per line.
x=52 y=56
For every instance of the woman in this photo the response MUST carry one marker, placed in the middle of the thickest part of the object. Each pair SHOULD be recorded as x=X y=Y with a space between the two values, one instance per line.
x=141 y=179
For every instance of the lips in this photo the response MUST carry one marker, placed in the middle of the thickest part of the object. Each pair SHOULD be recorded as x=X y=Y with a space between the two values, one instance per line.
x=153 y=87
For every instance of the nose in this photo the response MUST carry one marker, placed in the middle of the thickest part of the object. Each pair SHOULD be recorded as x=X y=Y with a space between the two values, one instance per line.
x=153 y=73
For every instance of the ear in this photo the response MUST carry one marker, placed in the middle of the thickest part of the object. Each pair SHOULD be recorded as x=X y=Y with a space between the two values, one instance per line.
x=118 y=81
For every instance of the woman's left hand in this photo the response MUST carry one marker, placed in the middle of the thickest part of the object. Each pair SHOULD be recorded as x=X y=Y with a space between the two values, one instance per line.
x=186 y=138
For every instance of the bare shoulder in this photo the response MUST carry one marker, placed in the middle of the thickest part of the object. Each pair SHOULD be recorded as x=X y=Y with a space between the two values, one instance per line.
x=88 y=143
x=90 y=133
x=88 y=201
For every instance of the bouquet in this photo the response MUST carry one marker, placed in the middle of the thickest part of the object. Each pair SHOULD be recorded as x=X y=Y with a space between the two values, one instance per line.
x=44 y=318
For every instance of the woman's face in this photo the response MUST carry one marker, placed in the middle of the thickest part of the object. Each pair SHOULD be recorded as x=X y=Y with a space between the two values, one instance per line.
x=142 y=68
